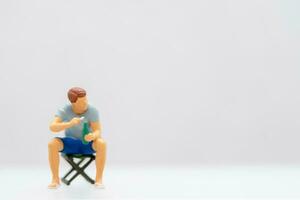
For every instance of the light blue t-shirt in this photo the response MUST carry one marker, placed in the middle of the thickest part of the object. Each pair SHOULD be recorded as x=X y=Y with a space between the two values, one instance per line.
x=66 y=114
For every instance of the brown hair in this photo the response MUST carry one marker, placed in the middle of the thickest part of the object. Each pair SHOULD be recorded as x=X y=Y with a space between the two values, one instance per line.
x=76 y=92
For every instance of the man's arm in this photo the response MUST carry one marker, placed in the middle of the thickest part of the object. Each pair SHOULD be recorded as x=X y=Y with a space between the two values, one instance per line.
x=57 y=124
x=96 y=131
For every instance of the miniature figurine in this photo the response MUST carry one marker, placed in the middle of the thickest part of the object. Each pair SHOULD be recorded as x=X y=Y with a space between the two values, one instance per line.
x=73 y=118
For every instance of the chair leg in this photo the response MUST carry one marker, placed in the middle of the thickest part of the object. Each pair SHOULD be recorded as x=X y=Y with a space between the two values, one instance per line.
x=79 y=170
x=84 y=174
x=64 y=179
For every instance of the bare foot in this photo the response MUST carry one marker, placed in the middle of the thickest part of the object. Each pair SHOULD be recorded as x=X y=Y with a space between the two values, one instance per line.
x=99 y=185
x=54 y=185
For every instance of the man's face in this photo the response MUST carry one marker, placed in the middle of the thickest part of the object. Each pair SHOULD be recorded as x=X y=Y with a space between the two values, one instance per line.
x=81 y=104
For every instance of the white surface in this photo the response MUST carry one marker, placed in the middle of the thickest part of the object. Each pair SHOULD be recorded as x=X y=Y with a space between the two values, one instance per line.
x=164 y=182
x=211 y=81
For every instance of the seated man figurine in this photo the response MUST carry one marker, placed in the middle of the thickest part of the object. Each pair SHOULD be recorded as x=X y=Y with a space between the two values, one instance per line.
x=71 y=119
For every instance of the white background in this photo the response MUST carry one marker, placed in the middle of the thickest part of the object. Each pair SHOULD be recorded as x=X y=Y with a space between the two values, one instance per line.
x=185 y=82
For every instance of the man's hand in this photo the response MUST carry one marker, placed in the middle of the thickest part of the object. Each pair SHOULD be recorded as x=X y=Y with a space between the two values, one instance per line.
x=90 y=137
x=75 y=121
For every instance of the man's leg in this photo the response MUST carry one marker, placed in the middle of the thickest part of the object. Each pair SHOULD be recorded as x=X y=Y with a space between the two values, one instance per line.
x=54 y=146
x=100 y=147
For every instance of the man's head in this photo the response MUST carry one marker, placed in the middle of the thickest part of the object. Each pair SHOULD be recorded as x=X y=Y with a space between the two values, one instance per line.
x=77 y=97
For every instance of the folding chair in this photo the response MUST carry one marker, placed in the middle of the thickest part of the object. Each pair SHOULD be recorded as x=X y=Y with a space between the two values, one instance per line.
x=76 y=167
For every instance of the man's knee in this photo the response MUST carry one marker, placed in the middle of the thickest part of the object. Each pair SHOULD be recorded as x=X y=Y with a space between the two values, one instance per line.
x=99 y=144
x=55 y=144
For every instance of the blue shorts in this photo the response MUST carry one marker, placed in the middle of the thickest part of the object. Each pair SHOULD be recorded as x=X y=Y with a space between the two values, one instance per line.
x=75 y=146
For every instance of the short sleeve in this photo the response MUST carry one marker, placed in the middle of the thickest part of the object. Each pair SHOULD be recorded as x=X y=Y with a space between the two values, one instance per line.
x=93 y=114
x=61 y=113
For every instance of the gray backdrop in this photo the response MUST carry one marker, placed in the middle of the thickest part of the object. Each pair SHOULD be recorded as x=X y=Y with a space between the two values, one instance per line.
x=186 y=82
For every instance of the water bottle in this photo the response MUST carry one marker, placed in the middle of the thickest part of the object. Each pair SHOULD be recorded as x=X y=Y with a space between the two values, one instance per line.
x=85 y=131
